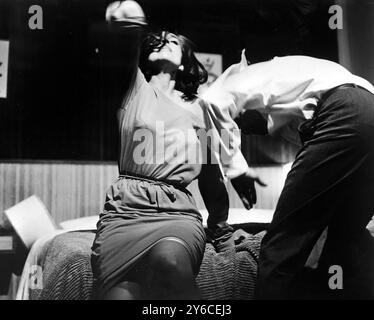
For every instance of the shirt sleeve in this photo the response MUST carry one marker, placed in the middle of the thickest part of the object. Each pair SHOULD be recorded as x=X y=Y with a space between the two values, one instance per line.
x=286 y=89
x=260 y=87
x=224 y=141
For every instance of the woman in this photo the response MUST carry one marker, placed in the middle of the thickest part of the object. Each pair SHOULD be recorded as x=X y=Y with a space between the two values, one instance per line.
x=150 y=240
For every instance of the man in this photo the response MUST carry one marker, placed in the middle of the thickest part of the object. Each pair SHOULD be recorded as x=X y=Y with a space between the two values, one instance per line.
x=331 y=183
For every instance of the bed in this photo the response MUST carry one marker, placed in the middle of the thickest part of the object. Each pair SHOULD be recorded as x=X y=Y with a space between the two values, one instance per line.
x=58 y=264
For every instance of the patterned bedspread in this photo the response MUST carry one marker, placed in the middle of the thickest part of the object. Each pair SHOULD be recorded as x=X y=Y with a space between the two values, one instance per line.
x=64 y=264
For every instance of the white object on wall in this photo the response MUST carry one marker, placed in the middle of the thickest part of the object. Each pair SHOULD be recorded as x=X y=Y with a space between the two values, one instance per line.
x=4 y=56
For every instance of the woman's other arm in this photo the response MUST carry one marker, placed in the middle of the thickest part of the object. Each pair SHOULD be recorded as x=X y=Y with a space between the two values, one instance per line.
x=216 y=199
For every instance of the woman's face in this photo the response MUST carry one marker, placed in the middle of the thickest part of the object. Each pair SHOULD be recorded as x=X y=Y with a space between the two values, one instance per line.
x=169 y=51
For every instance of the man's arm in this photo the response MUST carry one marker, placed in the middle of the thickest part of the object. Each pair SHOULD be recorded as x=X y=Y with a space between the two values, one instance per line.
x=225 y=145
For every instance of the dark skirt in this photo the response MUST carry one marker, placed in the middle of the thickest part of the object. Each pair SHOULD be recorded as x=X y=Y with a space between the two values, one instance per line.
x=138 y=213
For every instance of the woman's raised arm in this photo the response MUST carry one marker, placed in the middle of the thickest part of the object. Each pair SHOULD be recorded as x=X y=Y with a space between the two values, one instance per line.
x=125 y=24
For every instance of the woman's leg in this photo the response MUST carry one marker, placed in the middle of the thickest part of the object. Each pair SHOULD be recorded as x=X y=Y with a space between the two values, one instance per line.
x=126 y=290
x=169 y=272
x=164 y=272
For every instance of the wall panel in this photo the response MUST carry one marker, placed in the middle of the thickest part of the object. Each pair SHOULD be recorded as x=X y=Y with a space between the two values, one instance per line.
x=73 y=190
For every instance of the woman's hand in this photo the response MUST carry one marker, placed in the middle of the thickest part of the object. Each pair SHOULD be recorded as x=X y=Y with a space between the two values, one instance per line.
x=244 y=185
x=125 y=11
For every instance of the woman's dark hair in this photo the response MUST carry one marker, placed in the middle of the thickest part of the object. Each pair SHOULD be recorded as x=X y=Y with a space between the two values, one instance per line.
x=193 y=74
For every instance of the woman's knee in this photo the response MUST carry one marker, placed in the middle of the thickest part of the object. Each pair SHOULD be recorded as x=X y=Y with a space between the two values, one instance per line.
x=124 y=291
x=170 y=272
x=170 y=258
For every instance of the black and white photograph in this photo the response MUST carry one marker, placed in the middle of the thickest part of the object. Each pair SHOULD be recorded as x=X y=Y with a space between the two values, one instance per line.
x=191 y=152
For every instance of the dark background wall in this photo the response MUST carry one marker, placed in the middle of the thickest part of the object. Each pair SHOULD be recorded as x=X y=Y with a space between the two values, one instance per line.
x=60 y=103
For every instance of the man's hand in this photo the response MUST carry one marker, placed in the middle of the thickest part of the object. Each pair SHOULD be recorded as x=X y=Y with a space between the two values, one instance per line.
x=244 y=185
